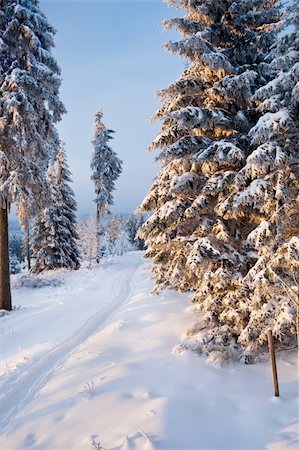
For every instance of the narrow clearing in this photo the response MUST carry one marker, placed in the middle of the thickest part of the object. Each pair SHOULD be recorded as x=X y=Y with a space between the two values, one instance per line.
x=93 y=360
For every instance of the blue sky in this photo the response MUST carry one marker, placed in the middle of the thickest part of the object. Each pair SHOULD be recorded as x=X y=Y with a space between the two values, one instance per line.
x=111 y=58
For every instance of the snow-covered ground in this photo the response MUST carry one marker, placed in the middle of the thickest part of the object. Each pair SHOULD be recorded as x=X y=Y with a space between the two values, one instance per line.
x=91 y=360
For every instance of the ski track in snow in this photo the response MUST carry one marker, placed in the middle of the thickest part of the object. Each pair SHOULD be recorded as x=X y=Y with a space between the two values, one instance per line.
x=22 y=389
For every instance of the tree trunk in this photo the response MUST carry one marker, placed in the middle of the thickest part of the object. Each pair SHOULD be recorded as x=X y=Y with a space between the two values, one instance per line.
x=98 y=236
x=5 y=293
x=28 y=248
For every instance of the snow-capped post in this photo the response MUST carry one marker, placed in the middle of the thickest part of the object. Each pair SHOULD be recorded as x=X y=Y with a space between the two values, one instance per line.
x=106 y=168
x=30 y=107
x=273 y=363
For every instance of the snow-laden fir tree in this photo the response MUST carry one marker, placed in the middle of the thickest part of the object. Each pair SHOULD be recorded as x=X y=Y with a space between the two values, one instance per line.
x=106 y=168
x=206 y=116
x=15 y=254
x=14 y=266
x=54 y=233
x=15 y=247
x=134 y=222
x=266 y=192
x=29 y=108
x=24 y=219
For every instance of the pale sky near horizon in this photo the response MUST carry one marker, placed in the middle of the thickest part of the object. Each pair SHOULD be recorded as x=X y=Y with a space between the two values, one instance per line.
x=111 y=58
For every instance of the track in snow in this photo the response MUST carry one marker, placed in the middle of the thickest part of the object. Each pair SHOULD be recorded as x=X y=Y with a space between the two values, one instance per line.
x=18 y=392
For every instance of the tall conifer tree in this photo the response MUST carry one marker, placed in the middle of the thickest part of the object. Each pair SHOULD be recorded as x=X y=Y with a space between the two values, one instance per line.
x=54 y=233
x=206 y=116
x=106 y=168
x=29 y=108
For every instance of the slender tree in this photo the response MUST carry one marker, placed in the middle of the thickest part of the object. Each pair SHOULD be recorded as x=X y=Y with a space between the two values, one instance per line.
x=54 y=234
x=106 y=168
x=29 y=108
x=87 y=232
x=206 y=115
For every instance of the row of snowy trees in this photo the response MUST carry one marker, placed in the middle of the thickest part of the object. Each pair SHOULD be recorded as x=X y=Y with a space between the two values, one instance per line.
x=55 y=234
x=224 y=206
x=114 y=237
x=54 y=245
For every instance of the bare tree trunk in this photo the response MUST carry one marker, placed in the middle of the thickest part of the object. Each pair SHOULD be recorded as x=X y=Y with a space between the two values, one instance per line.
x=28 y=248
x=5 y=293
x=89 y=256
x=98 y=236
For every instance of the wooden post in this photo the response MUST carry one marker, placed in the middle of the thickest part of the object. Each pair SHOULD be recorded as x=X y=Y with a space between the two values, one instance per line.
x=273 y=362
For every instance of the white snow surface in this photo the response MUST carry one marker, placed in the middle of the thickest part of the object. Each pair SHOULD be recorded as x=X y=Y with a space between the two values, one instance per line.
x=93 y=360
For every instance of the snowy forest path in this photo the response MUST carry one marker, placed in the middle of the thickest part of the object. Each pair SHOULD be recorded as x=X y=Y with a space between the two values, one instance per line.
x=21 y=390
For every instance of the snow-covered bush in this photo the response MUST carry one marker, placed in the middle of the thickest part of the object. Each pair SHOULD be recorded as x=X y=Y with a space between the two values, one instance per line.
x=37 y=281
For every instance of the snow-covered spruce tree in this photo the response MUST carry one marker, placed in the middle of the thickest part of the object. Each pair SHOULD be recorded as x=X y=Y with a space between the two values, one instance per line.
x=29 y=108
x=15 y=254
x=134 y=222
x=106 y=168
x=54 y=233
x=207 y=114
x=24 y=220
x=266 y=192
x=15 y=247
x=15 y=266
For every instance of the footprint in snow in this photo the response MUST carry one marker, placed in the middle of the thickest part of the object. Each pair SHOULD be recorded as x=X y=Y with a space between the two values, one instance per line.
x=59 y=418
x=151 y=413
x=29 y=440
x=140 y=440
x=126 y=445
